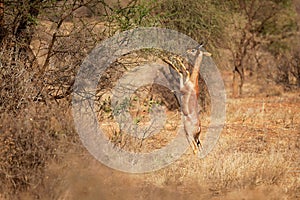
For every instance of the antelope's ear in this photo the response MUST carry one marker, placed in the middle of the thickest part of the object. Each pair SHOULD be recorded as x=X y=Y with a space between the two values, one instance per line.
x=207 y=54
x=192 y=51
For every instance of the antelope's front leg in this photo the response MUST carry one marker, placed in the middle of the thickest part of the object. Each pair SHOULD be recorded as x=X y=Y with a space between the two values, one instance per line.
x=184 y=68
x=172 y=65
x=177 y=70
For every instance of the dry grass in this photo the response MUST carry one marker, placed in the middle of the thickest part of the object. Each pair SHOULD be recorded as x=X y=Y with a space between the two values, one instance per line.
x=38 y=134
x=258 y=151
x=255 y=160
x=257 y=156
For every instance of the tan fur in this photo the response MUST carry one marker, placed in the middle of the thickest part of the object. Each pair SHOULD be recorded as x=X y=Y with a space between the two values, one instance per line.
x=189 y=96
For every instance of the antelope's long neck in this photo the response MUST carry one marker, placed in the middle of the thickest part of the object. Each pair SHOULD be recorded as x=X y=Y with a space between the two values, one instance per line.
x=195 y=73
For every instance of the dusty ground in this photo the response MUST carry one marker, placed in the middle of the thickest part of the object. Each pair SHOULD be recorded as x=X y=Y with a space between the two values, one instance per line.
x=257 y=157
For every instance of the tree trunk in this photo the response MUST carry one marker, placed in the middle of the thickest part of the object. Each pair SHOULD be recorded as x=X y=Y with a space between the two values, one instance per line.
x=235 y=88
x=2 y=29
x=237 y=81
x=1 y=13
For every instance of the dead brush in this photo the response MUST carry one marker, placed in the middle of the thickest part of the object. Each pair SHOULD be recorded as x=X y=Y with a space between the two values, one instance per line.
x=24 y=150
x=28 y=142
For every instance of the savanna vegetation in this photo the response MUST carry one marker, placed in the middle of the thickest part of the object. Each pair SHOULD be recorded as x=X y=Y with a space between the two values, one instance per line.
x=254 y=43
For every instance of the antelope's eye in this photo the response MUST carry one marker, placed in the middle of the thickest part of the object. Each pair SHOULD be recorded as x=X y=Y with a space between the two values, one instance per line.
x=194 y=51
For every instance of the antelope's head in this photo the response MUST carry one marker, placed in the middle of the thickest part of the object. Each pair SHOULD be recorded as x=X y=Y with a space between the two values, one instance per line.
x=197 y=52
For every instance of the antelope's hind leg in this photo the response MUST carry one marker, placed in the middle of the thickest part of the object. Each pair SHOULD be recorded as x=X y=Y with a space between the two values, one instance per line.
x=197 y=139
x=193 y=144
x=198 y=143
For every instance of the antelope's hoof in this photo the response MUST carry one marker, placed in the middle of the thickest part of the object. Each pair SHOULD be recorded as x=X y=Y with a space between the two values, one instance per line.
x=195 y=151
